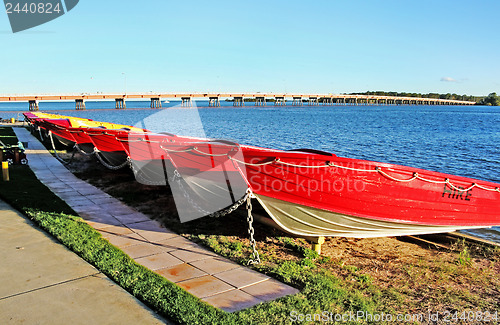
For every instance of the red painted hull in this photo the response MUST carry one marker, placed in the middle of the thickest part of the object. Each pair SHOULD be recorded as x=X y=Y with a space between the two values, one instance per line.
x=354 y=187
x=186 y=153
x=59 y=127
x=158 y=154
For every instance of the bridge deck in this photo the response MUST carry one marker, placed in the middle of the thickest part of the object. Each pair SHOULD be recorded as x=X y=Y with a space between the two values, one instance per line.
x=328 y=98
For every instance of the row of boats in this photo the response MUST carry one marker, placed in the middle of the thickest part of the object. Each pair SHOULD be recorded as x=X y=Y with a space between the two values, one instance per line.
x=306 y=192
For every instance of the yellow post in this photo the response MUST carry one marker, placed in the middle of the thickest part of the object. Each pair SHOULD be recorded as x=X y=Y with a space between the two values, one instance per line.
x=12 y=120
x=5 y=170
x=317 y=242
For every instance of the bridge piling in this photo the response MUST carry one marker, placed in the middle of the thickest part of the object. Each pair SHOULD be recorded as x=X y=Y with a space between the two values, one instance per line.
x=79 y=104
x=155 y=102
x=238 y=102
x=313 y=101
x=213 y=102
x=120 y=103
x=33 y=105
x=260 y=101
x=279 y=101
x=327 y=101
x=297 y=101
x=186 y=102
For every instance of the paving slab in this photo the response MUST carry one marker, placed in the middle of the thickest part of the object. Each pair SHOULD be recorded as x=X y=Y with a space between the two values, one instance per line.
x=132 y=218
x=117 y=208
x=31 y=254
x=175 y=242
x=159 y=261
x=79 y=201
x=233 y=300
x=92 y=300
x=192 y=253
x=181 y=272
x=203 y=273
x=241 y=277
x=98 y=225
x=100 y=195
x=269 y=290
x=142 y=250
x=119 y=230
x=205 y=286
x=101 y=200
x=45 y=283
x=90 y=208
x=167 y=238
x=123 y=240
x=214 y=265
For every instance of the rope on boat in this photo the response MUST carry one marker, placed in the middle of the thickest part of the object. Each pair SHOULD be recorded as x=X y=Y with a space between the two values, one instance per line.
x=251 y=164
x=210 y=154
x=185 y=150
x=139 y=140
x=278 y=161
x=109 y=166
x=446 y=181
x=376 y=170
x=57 y=155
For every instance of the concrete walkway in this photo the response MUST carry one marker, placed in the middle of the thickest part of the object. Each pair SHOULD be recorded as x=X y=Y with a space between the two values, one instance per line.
x=213 y=279
x=42 y=282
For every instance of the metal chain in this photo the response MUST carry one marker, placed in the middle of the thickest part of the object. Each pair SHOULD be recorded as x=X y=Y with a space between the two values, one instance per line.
x=178 y=179
x=40 y=133
x=229 y=209
x=255 y=254
x=223 y=212
x=81 y=151
x=57 y=155
x=141 y=179
x=97 y=151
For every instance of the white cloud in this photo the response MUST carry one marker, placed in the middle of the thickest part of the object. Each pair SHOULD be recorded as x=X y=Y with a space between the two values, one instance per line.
x=448 y=79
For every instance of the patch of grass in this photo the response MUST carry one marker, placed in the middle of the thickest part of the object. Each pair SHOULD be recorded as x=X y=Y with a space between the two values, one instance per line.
x=464 y=257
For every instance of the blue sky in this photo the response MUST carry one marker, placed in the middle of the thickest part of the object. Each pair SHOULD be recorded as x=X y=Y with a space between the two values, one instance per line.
x=268 y=46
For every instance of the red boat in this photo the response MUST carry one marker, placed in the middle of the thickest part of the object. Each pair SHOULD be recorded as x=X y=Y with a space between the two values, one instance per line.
x=104 y=140
x=319 y=194
x=60 y=130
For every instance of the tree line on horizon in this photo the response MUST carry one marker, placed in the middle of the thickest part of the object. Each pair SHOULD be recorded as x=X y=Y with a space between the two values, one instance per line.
x=491 y=100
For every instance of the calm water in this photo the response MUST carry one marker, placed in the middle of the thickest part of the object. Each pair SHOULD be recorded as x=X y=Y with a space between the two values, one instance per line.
x=451 y=139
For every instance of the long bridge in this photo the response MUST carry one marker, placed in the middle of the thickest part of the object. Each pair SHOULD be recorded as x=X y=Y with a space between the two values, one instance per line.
x=238 y=99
